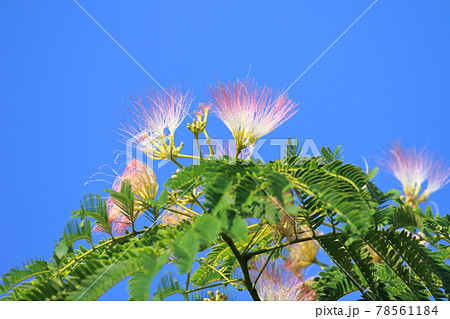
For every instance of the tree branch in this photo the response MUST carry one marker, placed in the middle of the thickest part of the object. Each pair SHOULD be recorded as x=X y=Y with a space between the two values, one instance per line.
x=244 y=267
x=251 y=254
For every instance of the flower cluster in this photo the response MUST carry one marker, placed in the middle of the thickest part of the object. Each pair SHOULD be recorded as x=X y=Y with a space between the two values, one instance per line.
x=250 y=112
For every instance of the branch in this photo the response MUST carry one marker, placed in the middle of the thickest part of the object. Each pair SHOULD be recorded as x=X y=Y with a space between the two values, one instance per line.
x=244 y=267
x=251 y=254
x=109 y=242
x=213 y=285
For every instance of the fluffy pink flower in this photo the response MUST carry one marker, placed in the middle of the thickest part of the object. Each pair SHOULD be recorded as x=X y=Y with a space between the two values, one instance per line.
x=157 y=110
x=143 y=182
x=438 y=177
x=408 y=166
x=279 y=282
x=412 y=168
x=250 y=112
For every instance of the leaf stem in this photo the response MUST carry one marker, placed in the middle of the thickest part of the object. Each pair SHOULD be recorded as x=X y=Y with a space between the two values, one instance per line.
x=187 y=285
x=188 y=156
x=176 y=162
x=112 y=241
x=198 y=146
x=213 y=285
x=208 y=141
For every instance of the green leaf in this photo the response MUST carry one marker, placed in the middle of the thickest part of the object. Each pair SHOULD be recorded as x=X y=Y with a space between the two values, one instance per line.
x=17 y=275
x=61 y=250
x=95 y=207
x=339 y=194
x=139 y=284
x=185 y=248
x=332 y=284
x=207 y=228
x=125 y=200
x=167 y=286
x=406 y=258
x=404 y=216
x=331 y=156
x=239 y=228
x=75 y=229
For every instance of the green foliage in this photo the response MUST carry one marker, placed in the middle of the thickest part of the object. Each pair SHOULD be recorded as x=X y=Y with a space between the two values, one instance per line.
x=218 y=264
x=331 y=156
x=408 y=269
x=407 y=259
x=404 y=216
x=186 y=245
x=338 y=194
x=125 y=201
x=360 y=271
x=207 y=227
x=95 y=207
x=17 y=275
x=234 y=192
x=235 y=211
x=332 y=284
x=167 y=286
x=140 y=282
x=437 y=227
x=154 y=208
x=76 y=229
x=185 y=248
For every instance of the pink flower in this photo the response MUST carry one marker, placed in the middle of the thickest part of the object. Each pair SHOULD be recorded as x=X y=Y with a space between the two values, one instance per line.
x=157 y=110
x=279 y=282
x=438 y=177
x=143 y=182
x=408 y=166
x=412 y=168
x=248 y=111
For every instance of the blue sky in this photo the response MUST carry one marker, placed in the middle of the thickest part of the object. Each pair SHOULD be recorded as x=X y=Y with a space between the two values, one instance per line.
x=64 y=83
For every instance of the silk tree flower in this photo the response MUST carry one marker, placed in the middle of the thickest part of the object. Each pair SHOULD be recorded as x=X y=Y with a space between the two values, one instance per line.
x=143 y=182
x=438 y=177
x=153 y=114
x=279 y=282
x=157 y=110
x=409 y=167
x=248 y=111
x=412 y=168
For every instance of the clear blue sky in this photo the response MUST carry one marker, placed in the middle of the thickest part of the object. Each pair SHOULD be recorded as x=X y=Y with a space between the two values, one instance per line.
x=64 y=81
